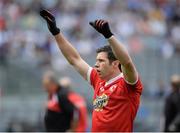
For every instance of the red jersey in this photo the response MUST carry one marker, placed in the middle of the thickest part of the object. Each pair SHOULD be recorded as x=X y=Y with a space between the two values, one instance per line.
x=115 y=103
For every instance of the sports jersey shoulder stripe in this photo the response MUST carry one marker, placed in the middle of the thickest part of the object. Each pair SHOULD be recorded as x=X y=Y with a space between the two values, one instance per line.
x=89 y=74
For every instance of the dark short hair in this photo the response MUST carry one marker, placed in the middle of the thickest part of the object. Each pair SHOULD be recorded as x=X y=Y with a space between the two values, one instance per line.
x=109 y=52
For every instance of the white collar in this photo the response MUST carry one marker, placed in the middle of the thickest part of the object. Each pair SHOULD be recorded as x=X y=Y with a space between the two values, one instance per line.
x=113 y=79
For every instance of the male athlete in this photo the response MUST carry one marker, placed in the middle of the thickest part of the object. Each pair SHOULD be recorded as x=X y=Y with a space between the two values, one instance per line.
x=116 y=91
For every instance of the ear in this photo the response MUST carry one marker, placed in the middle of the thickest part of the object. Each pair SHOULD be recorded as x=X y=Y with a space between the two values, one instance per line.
x=115 y=63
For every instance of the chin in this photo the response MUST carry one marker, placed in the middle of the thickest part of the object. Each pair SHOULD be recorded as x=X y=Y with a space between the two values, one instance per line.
x=101 y=77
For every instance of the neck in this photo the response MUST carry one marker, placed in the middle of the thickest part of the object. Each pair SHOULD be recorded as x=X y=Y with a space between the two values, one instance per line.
x=113 y=75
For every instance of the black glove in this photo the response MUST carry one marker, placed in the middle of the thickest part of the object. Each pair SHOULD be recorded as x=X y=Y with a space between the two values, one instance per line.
x=51 y=22
x=102 y=27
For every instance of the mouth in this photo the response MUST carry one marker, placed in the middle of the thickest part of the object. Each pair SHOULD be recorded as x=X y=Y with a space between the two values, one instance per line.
x=99 y=72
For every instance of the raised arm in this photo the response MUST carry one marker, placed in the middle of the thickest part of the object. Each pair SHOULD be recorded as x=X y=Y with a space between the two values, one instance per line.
x=127 y=66
x=69 y=52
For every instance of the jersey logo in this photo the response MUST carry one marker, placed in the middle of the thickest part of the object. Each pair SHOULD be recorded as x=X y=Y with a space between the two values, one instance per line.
x=102 y=89
x=112 y=88
x=100 y=102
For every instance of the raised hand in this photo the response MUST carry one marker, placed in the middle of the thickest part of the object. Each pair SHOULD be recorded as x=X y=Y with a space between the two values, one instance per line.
x=102 y=27
x=51 y=21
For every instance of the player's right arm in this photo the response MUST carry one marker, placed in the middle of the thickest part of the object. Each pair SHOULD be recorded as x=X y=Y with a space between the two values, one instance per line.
x=69 y=52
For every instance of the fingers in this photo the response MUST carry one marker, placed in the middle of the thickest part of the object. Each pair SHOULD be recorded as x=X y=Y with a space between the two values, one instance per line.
x=104 y=22
x=48 y=19
x=102 y=27
x=91 y=23
x=98 y=23
x=46 y=15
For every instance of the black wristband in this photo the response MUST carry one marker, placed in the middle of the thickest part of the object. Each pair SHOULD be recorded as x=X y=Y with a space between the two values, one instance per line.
x=55 y=31
x=107 y=34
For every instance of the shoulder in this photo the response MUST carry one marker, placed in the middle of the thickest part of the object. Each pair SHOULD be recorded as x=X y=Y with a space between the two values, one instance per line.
x=91 y=73
x=135 y=87
x=93 y=77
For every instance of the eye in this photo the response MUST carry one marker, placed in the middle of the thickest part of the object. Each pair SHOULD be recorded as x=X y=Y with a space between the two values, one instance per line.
x=100 y=60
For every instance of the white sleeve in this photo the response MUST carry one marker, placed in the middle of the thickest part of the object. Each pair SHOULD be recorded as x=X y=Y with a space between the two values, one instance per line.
x=132 y=83
x=89 y=74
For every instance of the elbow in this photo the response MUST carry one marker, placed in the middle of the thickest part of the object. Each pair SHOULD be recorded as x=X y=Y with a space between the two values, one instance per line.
x=73 y=61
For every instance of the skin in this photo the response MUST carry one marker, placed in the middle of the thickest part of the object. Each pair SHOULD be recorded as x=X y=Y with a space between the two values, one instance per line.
x=105 y=68
x=49 y=86
x=70 y=53
x=73 y=57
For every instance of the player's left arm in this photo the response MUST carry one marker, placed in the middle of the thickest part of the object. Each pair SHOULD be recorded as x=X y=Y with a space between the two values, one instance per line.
x=128 y=68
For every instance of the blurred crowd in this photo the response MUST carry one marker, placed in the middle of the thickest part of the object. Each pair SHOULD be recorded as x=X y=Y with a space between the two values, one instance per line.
x=23 y=34
x=138 y=23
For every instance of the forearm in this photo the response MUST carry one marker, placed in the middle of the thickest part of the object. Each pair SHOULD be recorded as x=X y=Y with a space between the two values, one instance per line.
x=65 y=46
x=67 y=49
x=119 y=51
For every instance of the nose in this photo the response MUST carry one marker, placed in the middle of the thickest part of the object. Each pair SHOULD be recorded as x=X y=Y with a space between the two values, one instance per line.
x=96 y=65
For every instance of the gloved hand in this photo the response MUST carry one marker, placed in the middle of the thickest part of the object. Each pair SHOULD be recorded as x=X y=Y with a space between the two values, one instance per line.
x=102 y=27
x=51 y=21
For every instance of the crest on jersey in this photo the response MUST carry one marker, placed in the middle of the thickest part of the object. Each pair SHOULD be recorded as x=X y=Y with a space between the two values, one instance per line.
x=111 y=89
x=100 y=102
x=102 y=89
